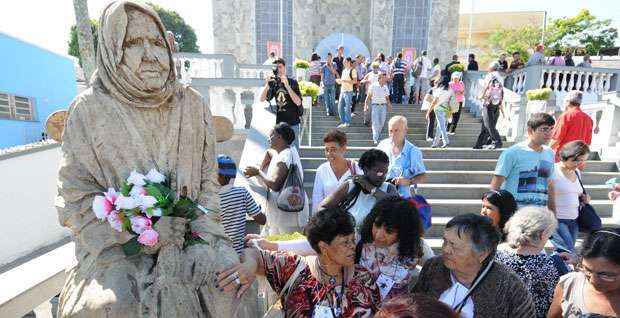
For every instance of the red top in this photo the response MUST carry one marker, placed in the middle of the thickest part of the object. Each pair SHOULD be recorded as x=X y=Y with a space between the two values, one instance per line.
x=572 y=125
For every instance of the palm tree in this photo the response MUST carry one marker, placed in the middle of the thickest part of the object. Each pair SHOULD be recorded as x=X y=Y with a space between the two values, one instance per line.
x=85 y=38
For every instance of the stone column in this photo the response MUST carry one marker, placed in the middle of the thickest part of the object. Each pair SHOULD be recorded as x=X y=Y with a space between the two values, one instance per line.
x=443 y=30
x=234 y=29
x=305 y=23
x=381 y=26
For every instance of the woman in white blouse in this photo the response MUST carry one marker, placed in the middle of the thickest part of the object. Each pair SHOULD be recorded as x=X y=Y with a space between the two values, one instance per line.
x=336 y=170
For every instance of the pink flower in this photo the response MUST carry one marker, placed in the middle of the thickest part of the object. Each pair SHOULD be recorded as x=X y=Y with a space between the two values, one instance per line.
x=115 y=221
x=140 y=224
x=148 y=237
x=103 y=205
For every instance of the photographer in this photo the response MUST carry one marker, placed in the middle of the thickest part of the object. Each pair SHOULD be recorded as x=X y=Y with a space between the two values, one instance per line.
x=286 y=92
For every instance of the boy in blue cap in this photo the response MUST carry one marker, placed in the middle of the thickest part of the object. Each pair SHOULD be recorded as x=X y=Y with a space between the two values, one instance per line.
x=235 y=203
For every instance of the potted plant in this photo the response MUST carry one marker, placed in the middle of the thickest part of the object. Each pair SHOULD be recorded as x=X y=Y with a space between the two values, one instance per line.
x=301 y=67
x=309 y=92
x=538 y=101
x=458 y=67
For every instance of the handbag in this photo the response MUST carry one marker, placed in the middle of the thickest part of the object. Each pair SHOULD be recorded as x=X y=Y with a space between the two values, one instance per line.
x=587 y=220
x=276 y=310
x=292 y=196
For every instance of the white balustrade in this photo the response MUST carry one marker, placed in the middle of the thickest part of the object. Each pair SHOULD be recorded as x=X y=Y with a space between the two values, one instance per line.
x=563 y=79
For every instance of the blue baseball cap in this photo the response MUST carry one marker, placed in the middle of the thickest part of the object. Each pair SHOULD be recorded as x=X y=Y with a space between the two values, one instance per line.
x=226 y=166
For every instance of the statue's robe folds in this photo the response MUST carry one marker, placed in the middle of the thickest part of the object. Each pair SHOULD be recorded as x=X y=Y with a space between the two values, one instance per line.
x=104 y=140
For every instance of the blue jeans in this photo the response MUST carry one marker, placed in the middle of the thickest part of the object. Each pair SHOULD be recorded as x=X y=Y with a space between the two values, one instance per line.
x=565 y=235
x=441 y=128
x=379 y=112
x=329 y=96
x=296 y=129
x=344 y=107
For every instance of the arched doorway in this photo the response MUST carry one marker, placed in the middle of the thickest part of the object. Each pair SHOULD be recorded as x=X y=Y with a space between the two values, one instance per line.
x=352 y=45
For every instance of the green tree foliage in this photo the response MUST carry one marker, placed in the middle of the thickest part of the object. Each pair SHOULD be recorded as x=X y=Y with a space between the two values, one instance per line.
x=183 y=33
x=582 y=30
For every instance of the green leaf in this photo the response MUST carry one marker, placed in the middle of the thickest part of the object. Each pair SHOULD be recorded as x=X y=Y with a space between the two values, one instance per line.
x=132 y=247
x=185 y=207
x=125 y=189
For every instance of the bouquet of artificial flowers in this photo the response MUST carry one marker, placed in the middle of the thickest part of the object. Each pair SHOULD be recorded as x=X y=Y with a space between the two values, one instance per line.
x=139 y=204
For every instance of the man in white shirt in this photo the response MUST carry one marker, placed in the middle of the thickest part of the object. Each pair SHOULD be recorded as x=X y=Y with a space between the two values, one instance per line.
x=379 y=96
x=421 y=70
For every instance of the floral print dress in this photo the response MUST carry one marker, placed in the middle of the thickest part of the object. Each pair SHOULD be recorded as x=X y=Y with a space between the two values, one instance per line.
x=307 y=294
x=392 y=272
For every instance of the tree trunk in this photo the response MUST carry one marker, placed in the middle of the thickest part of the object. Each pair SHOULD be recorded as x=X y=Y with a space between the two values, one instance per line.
x=85 y=38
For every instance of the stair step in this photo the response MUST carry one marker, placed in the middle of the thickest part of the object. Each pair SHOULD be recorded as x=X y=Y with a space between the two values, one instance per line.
x=427 y=153
x=459 y=143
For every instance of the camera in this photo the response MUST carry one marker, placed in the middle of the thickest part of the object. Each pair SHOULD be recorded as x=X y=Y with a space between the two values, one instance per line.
x=276 y=75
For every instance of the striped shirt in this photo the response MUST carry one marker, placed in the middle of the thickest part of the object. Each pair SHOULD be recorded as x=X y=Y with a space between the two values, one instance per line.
x=235 y=202
x=399 y=67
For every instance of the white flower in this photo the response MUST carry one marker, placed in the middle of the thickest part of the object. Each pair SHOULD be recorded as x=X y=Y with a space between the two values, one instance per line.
x=137 y=179
x=146 y=201
x=137 y=191
x=126 y=203
x=155 y=177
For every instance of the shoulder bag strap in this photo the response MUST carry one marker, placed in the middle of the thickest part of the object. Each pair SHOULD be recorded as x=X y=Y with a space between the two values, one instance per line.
x=300 y=267
x=579 y=178
x=351 y=168
x=476 y=283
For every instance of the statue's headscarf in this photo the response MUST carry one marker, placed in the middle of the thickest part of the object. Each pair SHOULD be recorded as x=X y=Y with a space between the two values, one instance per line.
x=116 y=78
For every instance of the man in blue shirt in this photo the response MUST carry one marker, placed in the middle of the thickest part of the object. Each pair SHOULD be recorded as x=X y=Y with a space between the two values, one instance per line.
x=525 y=169
x=406 y=166
x=328 y=79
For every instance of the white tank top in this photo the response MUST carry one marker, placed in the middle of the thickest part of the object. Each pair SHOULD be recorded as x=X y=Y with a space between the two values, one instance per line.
x=566 y=195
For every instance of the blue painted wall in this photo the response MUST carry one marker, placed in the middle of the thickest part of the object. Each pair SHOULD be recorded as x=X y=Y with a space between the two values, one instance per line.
x=30 y=71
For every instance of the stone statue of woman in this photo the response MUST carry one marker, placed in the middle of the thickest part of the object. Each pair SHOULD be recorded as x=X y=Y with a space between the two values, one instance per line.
x=136 y=116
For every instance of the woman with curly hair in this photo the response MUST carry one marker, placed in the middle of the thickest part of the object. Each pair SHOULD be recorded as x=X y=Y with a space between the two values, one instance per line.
x=391 y=245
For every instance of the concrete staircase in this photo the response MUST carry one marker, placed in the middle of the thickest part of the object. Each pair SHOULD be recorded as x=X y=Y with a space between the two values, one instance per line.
x=457 y=176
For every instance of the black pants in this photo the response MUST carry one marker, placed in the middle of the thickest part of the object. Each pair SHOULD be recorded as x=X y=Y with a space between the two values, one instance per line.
x=337 y=92
x=455 y=119
x=430 y=127
x=411 y=95
x=488 y=132
x=355 y=99
x=399 y=88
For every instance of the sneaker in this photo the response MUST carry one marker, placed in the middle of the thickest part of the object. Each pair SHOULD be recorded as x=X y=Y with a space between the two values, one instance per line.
x=489 y=147
x=476 y=147
x=353 y=115
x=451 y=133
x=435 y=146
x=445 y=145
x=341 y=125
x=429 y=139
x=345 y=125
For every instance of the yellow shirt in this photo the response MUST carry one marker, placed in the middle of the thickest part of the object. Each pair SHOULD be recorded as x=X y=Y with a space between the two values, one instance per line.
x=346 y=87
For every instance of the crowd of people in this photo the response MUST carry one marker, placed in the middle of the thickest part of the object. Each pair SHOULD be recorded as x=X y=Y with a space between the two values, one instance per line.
x=364 y=253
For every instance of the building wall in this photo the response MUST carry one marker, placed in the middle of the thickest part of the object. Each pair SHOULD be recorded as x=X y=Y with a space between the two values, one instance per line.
x=381 y=26
x=442 y=37
x=33 y=72
x=27 y=192
x=411 y=22
x=234 y=29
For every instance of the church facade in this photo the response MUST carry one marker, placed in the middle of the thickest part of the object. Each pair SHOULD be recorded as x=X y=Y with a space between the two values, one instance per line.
x=250 y=29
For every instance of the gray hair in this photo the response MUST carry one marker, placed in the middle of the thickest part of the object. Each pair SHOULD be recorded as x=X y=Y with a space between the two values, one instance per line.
x=398 y=118
x=480 y=230
x=574 y=97
x=494 y=66
x=527 y=224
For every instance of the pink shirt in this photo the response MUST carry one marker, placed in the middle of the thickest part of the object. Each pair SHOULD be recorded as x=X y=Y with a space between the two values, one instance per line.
x=459 y=90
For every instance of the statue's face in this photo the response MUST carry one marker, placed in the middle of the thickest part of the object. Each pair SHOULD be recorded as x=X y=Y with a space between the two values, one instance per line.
x=145 y=51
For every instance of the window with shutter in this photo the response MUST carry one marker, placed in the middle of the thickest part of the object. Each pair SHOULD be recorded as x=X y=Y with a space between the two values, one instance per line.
x=16 y=107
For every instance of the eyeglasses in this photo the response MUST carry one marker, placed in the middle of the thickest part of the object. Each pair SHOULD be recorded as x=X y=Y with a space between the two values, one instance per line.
x=608 y=277
x=546 y=129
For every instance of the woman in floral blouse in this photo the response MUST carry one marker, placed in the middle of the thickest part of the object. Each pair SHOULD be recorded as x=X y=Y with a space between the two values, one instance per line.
x=329 y=283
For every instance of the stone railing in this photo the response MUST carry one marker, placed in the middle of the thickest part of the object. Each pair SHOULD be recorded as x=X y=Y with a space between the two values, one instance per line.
x=594 y=82
x=255 y=71
x=197 y=65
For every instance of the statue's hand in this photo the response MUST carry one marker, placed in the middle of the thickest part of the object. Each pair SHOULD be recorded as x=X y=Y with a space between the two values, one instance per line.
x=171 y=230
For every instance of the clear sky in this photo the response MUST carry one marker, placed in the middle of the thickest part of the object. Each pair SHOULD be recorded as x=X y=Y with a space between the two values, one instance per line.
x=47 y=22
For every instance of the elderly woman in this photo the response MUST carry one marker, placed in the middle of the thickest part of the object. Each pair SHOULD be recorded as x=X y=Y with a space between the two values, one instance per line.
x=360 y=193
x=498 y=205
x=593 y=291
x=278 y=159
x=390 y=247
x=136 y=116
x=336 y=170
x=328 y=284
x=466 y=277
x=406 y=167
x=528 y=231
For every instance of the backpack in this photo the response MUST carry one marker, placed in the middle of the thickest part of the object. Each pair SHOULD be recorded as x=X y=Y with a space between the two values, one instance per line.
x=424 y=210
x=292 y=197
